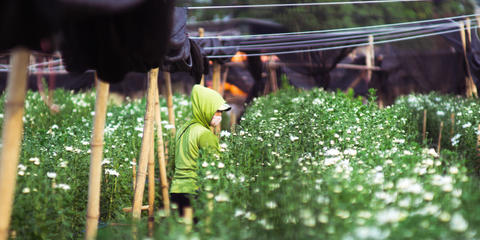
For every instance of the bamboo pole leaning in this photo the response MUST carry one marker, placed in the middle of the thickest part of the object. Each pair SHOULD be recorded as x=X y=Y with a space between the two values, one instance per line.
x=478 y=141
x=169 y=94
x=146 y=142
x=129 y=209
x=452 y=121
x=201 y=33
x=478 y=21
x=439 y=146
x=51 y=87
x=471 y=89
x=12 y=135
x=151 y=185
x=188 y=218
x=217 y=71
x=424 y=129
x=370 y=58
x=273 y=75
x=223 y=81
x=468 y=25
x=95 y=175
x=134 y=173
x=161 y=157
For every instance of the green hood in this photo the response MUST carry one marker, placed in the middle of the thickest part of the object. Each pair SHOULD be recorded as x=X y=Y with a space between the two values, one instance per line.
x=205 y=102
x=194 y=136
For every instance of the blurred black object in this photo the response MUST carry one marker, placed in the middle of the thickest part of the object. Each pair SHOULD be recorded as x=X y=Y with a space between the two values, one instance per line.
x=184 y=55
x=111 y=36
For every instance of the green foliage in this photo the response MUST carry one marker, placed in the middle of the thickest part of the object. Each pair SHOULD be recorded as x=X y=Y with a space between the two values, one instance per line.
x=285 y=83
x=323 y=165
x=58 y=145
x=459 y=131
x=300 y=165
x=340 y=16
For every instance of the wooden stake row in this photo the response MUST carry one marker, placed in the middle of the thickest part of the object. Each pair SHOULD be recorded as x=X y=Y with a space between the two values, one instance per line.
x=152 y=114
x=151 y=160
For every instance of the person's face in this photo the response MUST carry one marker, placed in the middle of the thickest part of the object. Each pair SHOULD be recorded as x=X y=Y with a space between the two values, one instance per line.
x=216 y=119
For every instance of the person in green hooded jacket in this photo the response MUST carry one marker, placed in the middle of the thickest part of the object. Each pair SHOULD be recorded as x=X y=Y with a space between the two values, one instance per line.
x=207 y=108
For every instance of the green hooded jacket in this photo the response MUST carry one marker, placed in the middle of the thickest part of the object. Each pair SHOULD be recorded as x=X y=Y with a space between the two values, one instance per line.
x=193 y=136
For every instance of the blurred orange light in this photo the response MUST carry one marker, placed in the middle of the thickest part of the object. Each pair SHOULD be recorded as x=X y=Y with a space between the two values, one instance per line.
x=239 y=57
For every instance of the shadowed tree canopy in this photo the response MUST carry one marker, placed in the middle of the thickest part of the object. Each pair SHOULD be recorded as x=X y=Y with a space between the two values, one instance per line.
x=338 y=16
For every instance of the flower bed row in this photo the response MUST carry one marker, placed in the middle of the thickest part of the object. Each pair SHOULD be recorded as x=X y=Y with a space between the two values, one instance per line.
x=52 y=182
x=460 y=118
x=300 y=165
x=320 y=165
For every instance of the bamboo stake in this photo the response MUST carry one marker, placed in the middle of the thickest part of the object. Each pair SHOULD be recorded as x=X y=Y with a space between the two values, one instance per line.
x=468 y=25
x=41 y=89
x=233 y=120
x=424 y=130
x=93 y=208
x=369 y=58
x=129 y=209
x=208 y=220
x=161 y=157
x=51 y=81
x=440 y=137
x=356 y=81
x=223 y=81
x=146 y=142
x=51 y=87
x=217 y=69
x=478 y=141
x=134 y=170
x=471 y=89
x=166 y=152
x=469 y=32
x=478 y=21
x=12 y=135
x=188 y=218
x=201 y=33
x=381 y=105
x=151 y=184
x=273 y=75
x=171 y=113
x=452 y=120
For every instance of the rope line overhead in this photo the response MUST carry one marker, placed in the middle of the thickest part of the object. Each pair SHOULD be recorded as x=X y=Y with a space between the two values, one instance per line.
x=344 y=46
x=300 y=4
x=404 y=34
x=337 y=29
x=323 y=40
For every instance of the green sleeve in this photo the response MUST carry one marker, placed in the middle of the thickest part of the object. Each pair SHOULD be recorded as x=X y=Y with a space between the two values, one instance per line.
x=209 y=141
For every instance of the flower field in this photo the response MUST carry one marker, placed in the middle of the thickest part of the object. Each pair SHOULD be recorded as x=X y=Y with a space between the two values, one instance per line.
x=301 y=165
x=52 y=182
